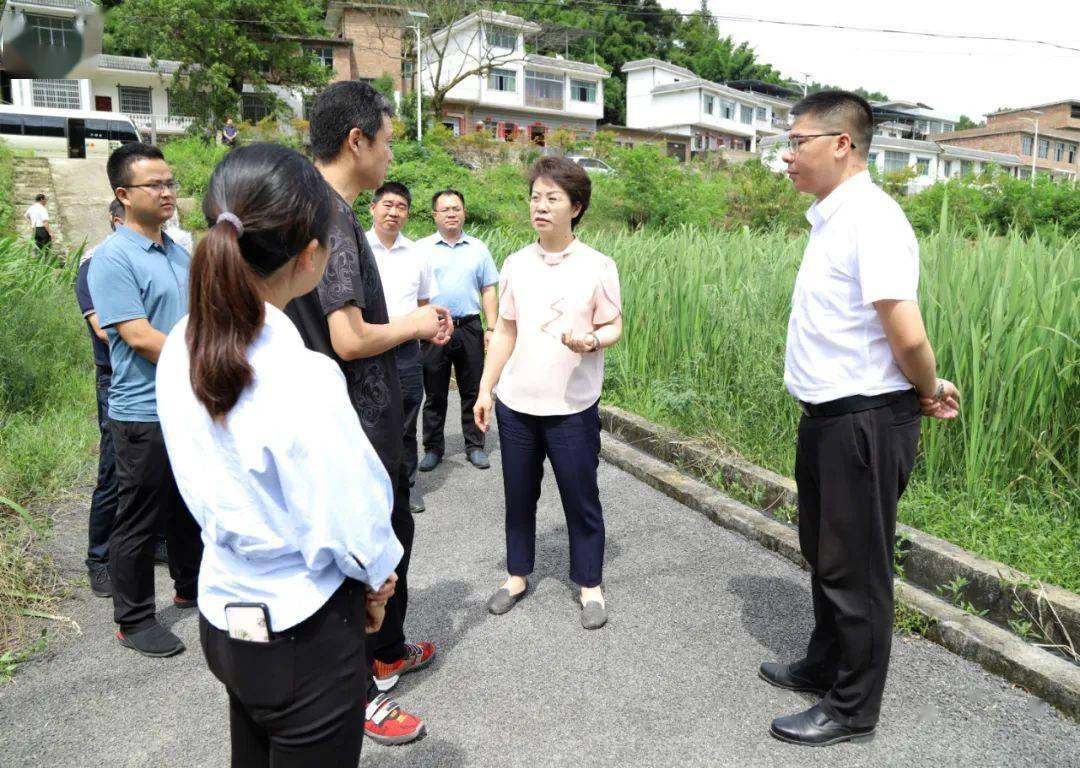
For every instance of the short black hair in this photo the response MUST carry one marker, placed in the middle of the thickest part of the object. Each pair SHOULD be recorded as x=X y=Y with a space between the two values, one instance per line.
x=117 y=209
x=39 y=197
x=570 y=177
x=121 y=160
x=442 y=192
x=342 y=106
x=842 y=111
x=392 y=188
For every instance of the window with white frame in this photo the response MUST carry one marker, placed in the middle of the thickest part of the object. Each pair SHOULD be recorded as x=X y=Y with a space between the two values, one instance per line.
x=922 y=165
x=746 y=114
x=583 y=90
x=895 y=161
x=946 y=168
x=727 y=109
x=544 y=90
x=709 y=104
x=52 y=31
x=502 y=80
x=324 y=53
x=1059 y=152
x=134 y=101
x=1027 y=144
x=872 y=160
x=967 y=167
x=1072 y=154
x=1044 y=148
x=58 y=94
x=762 y=115
x=501 y=37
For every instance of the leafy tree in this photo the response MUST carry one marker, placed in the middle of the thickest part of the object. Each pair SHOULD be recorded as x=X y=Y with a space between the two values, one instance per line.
x=223 y=44
x=966 y=122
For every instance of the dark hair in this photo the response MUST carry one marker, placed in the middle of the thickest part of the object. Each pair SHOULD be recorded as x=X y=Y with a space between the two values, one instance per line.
x=442 y=192
x=117 y=209
x=121 y=160
x=569 y=176
x=345 y=105
x=392 y=188
x=842 y=111
x=283 y=204
x=39 y=197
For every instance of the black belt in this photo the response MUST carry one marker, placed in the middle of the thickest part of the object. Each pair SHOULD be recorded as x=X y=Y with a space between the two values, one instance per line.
x=852 y=404
x=465 y=319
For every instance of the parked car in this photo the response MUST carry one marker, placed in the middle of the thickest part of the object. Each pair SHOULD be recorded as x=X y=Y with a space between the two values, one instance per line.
x=591 y=164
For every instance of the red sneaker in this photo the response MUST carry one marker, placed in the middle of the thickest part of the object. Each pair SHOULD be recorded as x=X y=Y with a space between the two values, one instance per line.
x=387 y=723
x=417 y=656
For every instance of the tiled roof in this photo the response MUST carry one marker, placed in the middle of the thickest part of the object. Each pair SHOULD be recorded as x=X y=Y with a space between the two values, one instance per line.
x=574 y=66
x=697 y=82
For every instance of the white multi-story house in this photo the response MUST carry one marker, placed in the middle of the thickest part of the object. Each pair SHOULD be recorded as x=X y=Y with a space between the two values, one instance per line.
x=911 y=120
x=931 y=162
x=663 y=96
x=363 y=41
x=495 y=85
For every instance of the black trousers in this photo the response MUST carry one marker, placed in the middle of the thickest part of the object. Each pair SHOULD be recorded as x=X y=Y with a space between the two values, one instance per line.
x=41 y=237
x=850 y=471
x=388 y=644
x=104 y=501
x=465 y=352
x=147 y=493
x=299 y=700
x=572 y=445
x=411 y=374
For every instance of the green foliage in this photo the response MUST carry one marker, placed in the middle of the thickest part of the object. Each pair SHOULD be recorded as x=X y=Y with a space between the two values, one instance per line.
x=966 y=122
x=7 y=204
x=192 y=161
x=225 y=44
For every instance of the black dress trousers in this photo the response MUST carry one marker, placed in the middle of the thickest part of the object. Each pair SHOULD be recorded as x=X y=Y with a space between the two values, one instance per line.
x=850 y=471
x=465 y=352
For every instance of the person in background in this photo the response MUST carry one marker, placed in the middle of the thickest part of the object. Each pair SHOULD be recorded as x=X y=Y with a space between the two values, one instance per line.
x=138 y=282
x=408 y=282
x=861 y=366
x=560 y=306
x=466 y=276
x=104 y=500
x=268 y=452
x=346 y=318
x=179 y=235
x=229 y=134
x=38 y=216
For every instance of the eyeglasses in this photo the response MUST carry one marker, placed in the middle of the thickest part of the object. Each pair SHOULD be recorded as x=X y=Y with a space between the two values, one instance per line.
x=160 y=187
x=455 y=209
x=795 y=142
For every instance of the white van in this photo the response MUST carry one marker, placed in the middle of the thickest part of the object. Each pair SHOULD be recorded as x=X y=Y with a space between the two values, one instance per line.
x=65 y=132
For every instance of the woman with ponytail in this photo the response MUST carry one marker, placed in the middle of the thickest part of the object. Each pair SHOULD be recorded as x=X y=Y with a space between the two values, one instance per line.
x=269 y=455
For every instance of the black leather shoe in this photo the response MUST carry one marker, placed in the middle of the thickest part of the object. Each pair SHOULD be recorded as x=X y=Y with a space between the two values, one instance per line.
x=782 y=676
x=813 y=728
x=430 y=461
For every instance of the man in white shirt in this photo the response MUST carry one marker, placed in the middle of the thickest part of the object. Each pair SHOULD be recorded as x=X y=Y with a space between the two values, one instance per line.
x=38 y=216
x=860 y=364
x=408 y=282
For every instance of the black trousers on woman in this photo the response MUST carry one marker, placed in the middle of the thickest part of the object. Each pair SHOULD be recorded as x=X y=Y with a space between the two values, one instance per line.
x=299 y=700
x=572 y=444
x=851 y=470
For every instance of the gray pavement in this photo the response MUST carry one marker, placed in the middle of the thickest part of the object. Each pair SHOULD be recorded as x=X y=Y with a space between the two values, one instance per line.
x=671 y=680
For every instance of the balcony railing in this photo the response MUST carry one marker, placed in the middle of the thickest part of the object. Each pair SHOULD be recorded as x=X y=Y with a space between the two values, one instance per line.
x=544 y=102
x=162 y=123
x=781 y=122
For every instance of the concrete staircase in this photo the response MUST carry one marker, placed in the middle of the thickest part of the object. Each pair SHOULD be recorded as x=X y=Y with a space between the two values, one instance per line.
x=33 y=176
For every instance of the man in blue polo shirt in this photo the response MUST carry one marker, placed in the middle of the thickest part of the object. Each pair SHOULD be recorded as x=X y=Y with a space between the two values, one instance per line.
x=466 y=276
x=138 y=282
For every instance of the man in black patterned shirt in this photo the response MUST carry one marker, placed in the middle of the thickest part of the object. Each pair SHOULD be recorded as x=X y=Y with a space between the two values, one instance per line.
x=345 y=317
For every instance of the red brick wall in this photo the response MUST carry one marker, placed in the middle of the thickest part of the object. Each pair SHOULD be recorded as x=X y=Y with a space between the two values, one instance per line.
x=376 y=44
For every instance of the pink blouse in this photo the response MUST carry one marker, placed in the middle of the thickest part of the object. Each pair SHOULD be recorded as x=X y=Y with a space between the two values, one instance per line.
x=546 y=294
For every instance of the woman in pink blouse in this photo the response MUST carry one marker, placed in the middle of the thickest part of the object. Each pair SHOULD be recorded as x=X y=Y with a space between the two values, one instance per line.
x=559 y=306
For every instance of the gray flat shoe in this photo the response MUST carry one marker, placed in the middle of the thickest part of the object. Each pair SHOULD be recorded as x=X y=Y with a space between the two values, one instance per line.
x=593 y=615
x=502 y=601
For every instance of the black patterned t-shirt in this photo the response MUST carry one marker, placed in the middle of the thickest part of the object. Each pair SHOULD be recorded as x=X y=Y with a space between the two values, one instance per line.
x=352 y=277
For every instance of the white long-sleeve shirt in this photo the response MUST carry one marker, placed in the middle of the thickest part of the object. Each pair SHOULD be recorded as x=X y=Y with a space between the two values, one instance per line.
x=289 y=492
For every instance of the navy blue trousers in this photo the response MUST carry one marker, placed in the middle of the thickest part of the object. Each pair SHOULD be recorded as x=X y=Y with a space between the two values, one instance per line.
x=105 y=500
x=572 y=445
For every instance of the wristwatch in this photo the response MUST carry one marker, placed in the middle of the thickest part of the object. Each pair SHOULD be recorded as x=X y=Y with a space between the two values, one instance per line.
x=596 y=340
x=939 y=393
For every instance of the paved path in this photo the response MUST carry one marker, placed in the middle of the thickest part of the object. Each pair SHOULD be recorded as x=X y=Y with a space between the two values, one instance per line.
x=671 y=681
x=83 y=195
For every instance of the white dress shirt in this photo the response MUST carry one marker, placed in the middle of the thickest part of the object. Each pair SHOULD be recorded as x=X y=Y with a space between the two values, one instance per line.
x=38 y=214
x=861 y=250
x=289 y=492
x=405 y=272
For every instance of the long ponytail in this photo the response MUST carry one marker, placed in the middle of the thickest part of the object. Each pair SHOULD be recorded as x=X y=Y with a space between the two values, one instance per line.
x=226 y=314
x=265 y=203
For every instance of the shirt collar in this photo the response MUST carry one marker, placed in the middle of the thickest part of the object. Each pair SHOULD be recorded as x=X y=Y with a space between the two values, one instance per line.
x=463 y=240
x=557 y=258
x=822 y=211
x=280 y=325
x=142 y=241
x=401 y=242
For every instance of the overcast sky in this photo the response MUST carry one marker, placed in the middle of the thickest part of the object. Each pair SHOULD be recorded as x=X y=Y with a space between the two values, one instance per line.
x=969 y=77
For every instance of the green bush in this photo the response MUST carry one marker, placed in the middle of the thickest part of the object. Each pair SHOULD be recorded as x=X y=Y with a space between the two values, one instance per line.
x=192 y=161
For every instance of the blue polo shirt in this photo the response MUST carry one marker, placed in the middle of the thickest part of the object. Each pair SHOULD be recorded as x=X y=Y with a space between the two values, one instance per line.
x=462 y=270
x=132 y=277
